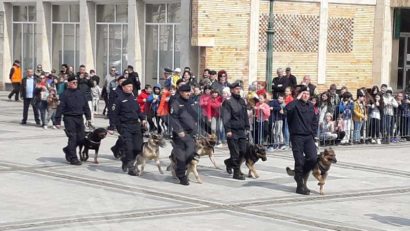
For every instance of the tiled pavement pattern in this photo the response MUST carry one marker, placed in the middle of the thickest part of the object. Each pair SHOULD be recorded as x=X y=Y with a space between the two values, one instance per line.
x=368 y=189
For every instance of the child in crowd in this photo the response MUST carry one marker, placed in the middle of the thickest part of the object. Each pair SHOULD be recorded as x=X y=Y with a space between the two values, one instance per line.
x=389 y=106
x=287 y=99
x=346 y=107
x=359 y=116
x=215 y=104
x=376 y=108
x=279 y=115
x=261 y=127
x=96 y=94
x=154 y=99
x=52 y=101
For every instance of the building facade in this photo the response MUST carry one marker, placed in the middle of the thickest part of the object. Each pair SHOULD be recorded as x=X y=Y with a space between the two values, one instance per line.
x=347 y=42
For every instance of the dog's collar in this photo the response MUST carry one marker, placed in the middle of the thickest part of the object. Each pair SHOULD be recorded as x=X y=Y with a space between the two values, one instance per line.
x=323 y=169
x=94 y=142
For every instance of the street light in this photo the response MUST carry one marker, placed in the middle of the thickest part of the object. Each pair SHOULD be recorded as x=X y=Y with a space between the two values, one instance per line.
x=269 y=49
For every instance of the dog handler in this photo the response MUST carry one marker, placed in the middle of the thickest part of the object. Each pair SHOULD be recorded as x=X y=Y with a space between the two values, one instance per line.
x=302 y=123
x=115 y=93
x=236 y=122
x=128 y=119
x=73 y=105
x=184 y=126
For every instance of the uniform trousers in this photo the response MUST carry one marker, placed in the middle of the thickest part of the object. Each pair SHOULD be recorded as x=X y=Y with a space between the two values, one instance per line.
x=183 y=152
x=132 y=140
x=75 y=131
x=304 y=152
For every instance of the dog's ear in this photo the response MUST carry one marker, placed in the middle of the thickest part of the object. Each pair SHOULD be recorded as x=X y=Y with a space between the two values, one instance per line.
x=326 y=152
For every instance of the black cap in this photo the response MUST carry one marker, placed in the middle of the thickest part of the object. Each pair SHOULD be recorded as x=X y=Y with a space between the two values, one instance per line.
x=167 y=70
x=121 y=77
x=234 y=85
x=71 y=78
x=288 y=69
x=301 y=87
x=185 y=87
x=126 y=82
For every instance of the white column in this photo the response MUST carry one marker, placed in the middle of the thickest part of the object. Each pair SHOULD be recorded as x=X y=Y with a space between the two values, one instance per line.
x=382 y=54
x=136 y=36
x=324 y=7
x=7 y=41
x=254 y=41
x=185 y=32
x=87 y=34
x=43 y=33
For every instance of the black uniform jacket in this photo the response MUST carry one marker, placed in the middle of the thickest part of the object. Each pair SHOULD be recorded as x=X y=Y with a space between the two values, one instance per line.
x=301 y=118
x=73 y=103
x=184 y=117
x=235 y=116
x=126 y=110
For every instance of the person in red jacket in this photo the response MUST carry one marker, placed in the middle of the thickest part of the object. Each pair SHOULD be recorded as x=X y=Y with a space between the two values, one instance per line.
x=215 y=105
x=205 y=105
x=142 y=98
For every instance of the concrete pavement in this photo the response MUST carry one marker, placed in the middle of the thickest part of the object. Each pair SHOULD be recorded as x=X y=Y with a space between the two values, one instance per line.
x=368 y=189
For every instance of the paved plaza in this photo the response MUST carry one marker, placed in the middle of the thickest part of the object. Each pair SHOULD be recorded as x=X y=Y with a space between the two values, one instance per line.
x=368 y=189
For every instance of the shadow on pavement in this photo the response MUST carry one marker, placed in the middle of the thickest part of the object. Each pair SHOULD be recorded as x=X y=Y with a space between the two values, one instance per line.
x=390 y=220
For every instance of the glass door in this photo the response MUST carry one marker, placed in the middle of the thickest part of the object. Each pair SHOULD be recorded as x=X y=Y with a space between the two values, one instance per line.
x=403 y=75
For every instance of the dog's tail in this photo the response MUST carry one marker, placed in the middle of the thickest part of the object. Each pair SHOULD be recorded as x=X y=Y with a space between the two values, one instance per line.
x=290 y=171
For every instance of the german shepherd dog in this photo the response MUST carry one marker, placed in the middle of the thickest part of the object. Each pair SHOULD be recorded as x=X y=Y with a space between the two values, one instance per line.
x=204 y=147
x=321 y=168
x=92 y=141
x=253 y=153
x=150 y=151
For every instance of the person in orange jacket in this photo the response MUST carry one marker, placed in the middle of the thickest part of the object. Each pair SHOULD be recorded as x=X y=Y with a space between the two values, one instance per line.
x=15 y=78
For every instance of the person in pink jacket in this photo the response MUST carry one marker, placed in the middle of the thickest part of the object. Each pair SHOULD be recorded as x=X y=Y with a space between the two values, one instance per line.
x=262 y=114
x=204 y=103
x=216 y=104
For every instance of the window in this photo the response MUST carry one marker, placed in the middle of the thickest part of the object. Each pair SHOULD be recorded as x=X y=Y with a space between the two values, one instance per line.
x=65 y=35
x=24 y=35
x=111 y=37
x=161 y=39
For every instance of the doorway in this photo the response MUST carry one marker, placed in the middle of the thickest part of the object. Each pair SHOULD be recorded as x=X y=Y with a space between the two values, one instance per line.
x=403 y=75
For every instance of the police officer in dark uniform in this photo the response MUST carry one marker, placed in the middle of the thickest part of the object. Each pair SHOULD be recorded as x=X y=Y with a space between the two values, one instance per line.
x=303 y=124
x=116 y=93
x=184 y=125
x=236 y=122
x=128 y=119
x=73 y=105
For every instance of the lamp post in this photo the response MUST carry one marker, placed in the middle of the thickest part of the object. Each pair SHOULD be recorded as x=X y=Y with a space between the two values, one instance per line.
x=269 y=48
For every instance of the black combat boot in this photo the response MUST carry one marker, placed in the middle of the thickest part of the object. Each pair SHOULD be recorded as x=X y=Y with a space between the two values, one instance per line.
x=237 y=174
x=305 y=183
x=66 y=154
x=124 y=165
x=116 y=152
x=228 y=165
x=301 y=189
x=131 y=169
x=184 y=180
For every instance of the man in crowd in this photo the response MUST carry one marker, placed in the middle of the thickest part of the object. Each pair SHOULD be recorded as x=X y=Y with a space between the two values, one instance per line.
x=133 y=76
x=85 y=84
x=292 y=79
x=310 y=87
x=15 y=78
x=28 y=92
x=279 y=83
